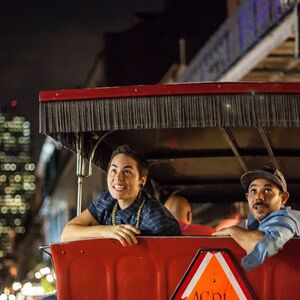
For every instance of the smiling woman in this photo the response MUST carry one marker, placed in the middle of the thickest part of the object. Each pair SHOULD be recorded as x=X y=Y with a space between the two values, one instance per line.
x=125 y=209
x=127 y=174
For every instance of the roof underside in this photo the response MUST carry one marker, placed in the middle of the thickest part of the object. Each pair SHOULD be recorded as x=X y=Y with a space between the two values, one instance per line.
x=206 y=163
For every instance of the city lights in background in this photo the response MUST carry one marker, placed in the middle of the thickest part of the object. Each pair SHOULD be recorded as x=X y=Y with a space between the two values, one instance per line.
x=17 y=186
x=42 y=284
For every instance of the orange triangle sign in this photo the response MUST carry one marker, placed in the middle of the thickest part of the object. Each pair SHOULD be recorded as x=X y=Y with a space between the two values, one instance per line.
x=212 y=275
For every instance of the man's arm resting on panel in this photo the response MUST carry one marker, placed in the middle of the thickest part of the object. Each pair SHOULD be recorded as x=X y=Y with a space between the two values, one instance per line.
x=247 y=239
x=261 y=244
x=86 y=226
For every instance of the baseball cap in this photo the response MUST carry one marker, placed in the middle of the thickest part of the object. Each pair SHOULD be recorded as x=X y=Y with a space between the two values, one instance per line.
x=266 y=172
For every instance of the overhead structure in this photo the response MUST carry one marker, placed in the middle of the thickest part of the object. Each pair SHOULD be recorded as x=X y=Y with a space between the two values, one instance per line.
x=199 y=138
x=259 y=42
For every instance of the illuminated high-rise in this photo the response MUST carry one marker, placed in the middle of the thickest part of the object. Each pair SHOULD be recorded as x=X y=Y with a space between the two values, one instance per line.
x=17 y=180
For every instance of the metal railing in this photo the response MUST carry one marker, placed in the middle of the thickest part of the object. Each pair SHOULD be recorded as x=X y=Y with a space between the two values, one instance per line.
x=252 y=20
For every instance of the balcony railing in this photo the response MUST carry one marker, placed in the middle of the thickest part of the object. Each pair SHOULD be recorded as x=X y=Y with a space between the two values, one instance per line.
x=252 y=20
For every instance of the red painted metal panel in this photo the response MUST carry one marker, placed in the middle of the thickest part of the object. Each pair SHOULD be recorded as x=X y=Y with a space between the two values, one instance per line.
x=152 y=269
x=168 y=89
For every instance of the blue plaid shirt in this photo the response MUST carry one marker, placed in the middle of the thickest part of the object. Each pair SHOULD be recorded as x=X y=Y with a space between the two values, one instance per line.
x=278 y=228
x=155 y=218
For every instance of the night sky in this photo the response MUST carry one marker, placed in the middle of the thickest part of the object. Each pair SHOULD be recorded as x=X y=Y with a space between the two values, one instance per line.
x=52 y=44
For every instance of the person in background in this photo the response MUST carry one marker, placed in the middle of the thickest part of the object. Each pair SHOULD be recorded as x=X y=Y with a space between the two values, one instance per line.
x=237 y=216
x=181 y=209
x=270 y=224
x=125 y=210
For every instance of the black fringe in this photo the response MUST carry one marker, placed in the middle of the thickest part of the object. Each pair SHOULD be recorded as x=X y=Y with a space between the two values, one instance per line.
x=178 y=111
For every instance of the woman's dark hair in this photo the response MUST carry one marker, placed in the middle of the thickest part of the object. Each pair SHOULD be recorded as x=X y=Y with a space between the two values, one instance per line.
x=140 y=159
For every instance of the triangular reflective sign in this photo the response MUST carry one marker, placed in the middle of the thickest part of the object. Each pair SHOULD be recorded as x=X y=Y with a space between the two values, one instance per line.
x=213 y=275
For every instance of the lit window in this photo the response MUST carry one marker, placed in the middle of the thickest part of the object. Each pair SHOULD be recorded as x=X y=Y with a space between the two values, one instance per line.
x=20 y=229
x=22 y=210
x=18 y=178
x=26 y=124
x=26 y=132
x=17 y=222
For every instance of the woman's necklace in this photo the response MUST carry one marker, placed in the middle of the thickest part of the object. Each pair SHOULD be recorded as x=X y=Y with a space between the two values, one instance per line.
x=138 y=217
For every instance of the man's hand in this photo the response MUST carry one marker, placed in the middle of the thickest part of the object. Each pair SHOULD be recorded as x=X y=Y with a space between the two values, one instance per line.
x=223 y=231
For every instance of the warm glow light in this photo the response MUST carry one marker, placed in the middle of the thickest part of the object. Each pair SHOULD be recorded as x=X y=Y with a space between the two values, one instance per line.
x=26 y=286
x=30 y=290
x=49 y=278
x=45 y=271
x=16 y=286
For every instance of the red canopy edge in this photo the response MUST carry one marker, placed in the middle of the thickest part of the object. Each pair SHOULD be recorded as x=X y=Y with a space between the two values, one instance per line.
x=168 y=89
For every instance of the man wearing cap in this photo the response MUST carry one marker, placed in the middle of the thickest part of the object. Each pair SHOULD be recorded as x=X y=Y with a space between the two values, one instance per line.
x=270 y=224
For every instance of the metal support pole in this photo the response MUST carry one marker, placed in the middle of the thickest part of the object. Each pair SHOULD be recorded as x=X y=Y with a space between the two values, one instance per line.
x=79 y=194
x=80 y=170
